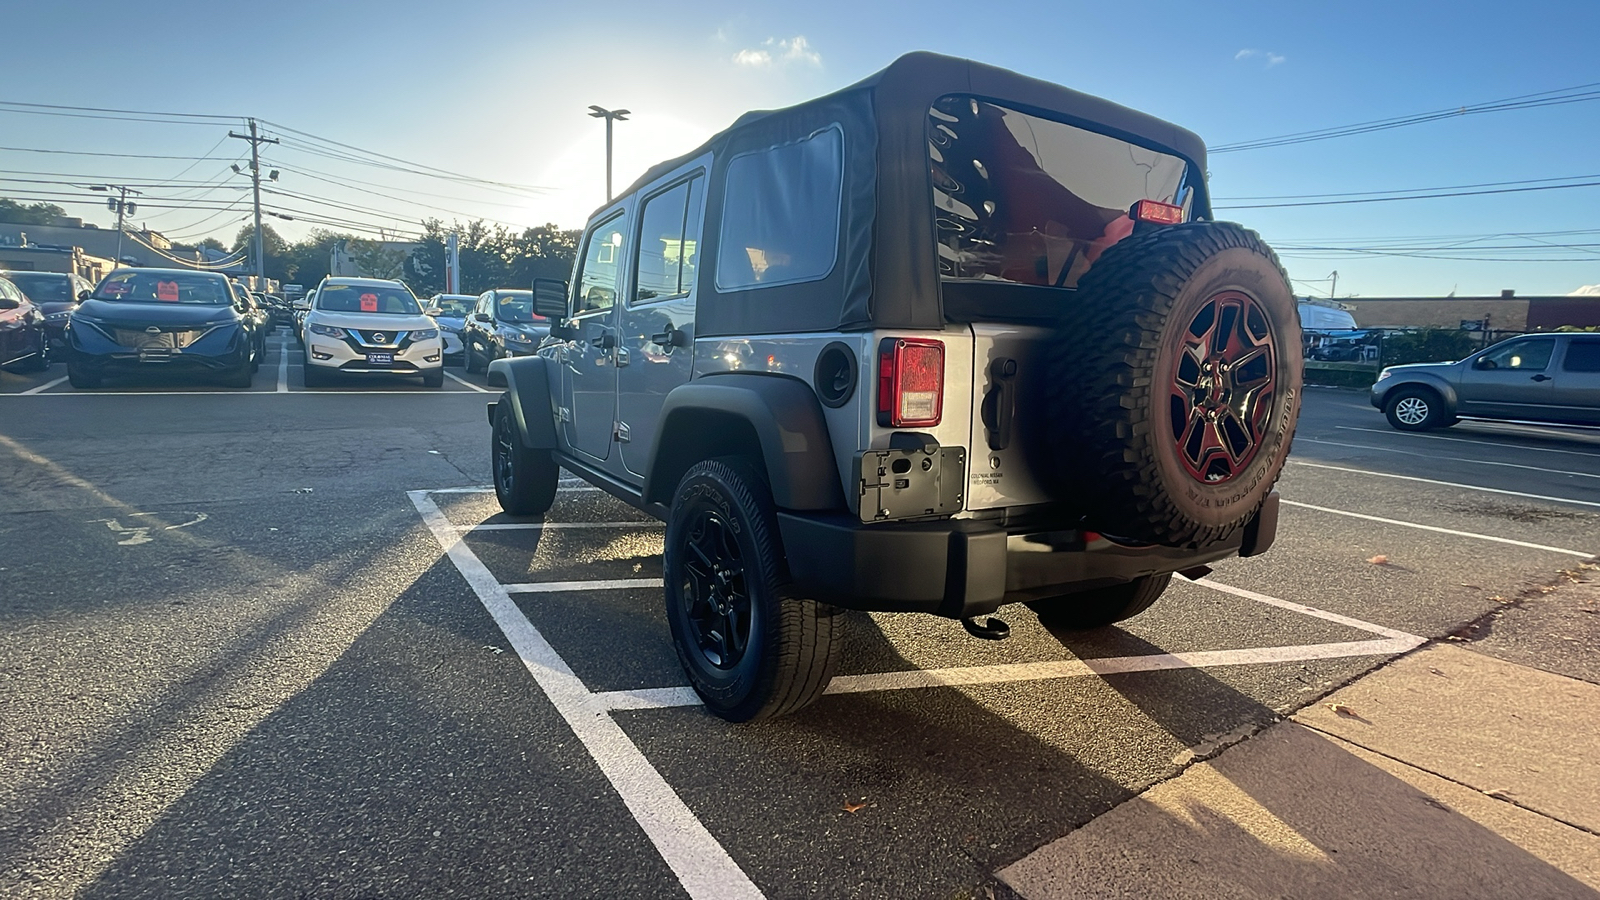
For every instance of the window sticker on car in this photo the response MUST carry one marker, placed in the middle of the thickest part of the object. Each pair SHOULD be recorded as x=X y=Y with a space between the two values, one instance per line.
x=369 y=302
x=115 y=288
x=167 y=291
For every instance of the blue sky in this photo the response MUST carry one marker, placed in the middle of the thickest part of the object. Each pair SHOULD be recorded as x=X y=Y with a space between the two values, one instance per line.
x=500 y=90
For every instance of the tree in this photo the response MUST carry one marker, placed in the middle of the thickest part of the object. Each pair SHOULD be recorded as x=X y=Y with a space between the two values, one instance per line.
x=491 y=257
x=212 y=243
x=376 y=260
x=29 y=213
x=272 y=243
x=307 y=261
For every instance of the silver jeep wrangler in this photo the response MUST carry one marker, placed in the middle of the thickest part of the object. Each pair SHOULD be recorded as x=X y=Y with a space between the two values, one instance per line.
x=947 y=339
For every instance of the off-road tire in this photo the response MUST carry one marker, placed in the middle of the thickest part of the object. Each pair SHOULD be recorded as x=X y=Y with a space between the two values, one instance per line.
x=525 y=478
x=81 y=380
x=434 y=378
x=1101 y=606
x=792 y=644
x=1116 y=403
x=1416 y=409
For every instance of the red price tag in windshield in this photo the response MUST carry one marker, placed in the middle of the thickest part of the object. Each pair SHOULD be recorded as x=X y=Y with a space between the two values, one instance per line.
x=369 y=302
x=167 y=290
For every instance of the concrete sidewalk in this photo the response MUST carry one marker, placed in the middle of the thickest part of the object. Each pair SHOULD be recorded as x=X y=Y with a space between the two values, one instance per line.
x=1449 y=773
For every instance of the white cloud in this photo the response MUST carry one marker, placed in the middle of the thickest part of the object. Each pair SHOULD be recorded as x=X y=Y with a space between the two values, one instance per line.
x=1588 y=290
x=779 y=50
x=1271 y=58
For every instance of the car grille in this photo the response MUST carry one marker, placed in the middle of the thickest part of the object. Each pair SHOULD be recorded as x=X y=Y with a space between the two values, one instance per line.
x=144 y=340
x=372 y=338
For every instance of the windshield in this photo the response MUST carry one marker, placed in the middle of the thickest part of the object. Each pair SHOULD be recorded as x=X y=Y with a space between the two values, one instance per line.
x=453 y=307
x=144 y=286
x=515 y=306
x=1027 y=200
x=387 y=300
x=43 y=287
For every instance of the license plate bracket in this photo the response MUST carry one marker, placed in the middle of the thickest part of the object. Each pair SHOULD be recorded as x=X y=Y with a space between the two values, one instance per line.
x=380 y=359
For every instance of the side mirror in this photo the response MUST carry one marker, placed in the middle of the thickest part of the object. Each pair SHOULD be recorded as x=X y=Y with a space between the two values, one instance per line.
x=480 y=317
x=1483 y=362
x=83 y=295
x=431 y=311
x=550 y=298
x=8 y=303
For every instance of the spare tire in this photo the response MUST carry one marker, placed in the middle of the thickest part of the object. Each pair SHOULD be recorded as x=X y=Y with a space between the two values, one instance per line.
x=1176 y=415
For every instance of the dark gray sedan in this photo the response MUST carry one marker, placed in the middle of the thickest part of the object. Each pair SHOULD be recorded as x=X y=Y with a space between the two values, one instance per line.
x=1536 y=378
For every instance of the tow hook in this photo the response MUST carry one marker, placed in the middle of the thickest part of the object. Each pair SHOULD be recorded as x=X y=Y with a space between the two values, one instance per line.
x=991 y=630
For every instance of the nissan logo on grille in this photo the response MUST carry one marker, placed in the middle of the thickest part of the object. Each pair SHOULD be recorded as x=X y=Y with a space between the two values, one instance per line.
x=378 y=337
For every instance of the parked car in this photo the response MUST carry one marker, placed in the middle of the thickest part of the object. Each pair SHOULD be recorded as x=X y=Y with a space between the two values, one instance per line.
x=503 y=324
x=1535 y=378
x=166 y=320
x=23 y=337
x=370 y=326
x=55 y=293
x=260 y=324
x=451 y=312
x=944 y=340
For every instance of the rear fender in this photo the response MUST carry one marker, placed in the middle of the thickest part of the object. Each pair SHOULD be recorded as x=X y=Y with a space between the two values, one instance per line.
x=533 y=407
x=774 y=420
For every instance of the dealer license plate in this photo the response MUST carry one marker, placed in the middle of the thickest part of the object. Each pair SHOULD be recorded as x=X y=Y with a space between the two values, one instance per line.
x=380 y=359
x=155 y=356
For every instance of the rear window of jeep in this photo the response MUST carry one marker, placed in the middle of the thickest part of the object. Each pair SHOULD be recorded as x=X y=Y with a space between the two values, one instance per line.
x=1027 y=200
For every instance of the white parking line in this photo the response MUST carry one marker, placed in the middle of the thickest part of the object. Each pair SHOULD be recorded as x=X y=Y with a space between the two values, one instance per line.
x=561 y=587
x=1435 y=528
x=703 y=867
x=545 y=526
x=1465 y=487
x=1461 y=440
x=454 y=377
x=1480 y=462
x=283 y=369
x=43 y=387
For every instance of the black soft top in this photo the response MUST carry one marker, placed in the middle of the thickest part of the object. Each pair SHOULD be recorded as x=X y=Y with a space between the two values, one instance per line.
x=886 y=275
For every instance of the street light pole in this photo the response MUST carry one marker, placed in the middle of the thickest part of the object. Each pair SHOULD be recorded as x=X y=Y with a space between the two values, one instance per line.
x=610 y=115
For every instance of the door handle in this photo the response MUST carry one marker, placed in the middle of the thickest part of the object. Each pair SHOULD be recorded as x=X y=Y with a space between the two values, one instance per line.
x=672 y=337
x=999 y=405
x=1541 y=377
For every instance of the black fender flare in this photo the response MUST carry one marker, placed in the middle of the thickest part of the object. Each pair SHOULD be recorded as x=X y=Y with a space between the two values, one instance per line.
x=783 y=415
x=533 y=407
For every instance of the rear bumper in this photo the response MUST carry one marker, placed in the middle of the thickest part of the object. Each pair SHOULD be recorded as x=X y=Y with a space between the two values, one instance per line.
x=958 y=568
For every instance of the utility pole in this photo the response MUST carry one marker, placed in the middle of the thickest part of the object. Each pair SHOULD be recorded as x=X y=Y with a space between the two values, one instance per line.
x=255 y=181
x=1333 y=292
x=610 y=115
x=121 y=207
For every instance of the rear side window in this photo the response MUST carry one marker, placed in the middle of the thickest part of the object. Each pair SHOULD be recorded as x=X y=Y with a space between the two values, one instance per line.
x=780 y=213
x=668 y=242
x=1583 y=355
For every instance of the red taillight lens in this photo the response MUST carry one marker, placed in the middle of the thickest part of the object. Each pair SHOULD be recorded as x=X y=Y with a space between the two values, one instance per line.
x=910 y=382
x=1157 y=212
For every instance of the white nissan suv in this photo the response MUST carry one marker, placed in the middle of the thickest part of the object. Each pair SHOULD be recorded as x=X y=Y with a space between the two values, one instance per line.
x=370 y=326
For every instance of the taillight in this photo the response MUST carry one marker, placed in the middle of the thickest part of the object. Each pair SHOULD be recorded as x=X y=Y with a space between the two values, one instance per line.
x=1156 y=212
x=910 y=382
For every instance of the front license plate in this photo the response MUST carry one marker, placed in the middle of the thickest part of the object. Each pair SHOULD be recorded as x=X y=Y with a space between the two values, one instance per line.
x=155 y=356
x=380 y=359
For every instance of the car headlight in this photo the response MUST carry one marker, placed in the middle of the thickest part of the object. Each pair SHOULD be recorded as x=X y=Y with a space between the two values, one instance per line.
x=1384 y=374
x=426 y=334
x=325 y=330
x=517 y=337
x=448 y=328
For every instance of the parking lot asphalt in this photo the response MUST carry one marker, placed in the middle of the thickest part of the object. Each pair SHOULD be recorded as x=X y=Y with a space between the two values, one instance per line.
x=261 y=643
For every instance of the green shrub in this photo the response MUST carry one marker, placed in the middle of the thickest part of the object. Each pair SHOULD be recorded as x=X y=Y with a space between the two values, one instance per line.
x=1428 y=345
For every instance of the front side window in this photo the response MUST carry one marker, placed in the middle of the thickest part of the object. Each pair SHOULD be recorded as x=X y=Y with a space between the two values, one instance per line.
x=1027 y=200
x=1527 y=356
x=145 y=286
x=597 y=281
x=669 y=234
x=780 y=213
x=392 y=300
x=1583 y=355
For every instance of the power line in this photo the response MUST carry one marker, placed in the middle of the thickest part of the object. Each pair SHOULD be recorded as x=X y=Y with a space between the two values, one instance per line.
x=108 y=155
x=444 y=173
x=1415 y=196
x=1560 y=96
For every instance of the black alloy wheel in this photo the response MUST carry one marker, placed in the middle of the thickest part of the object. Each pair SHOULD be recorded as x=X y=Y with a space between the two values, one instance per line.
x=525 y=478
